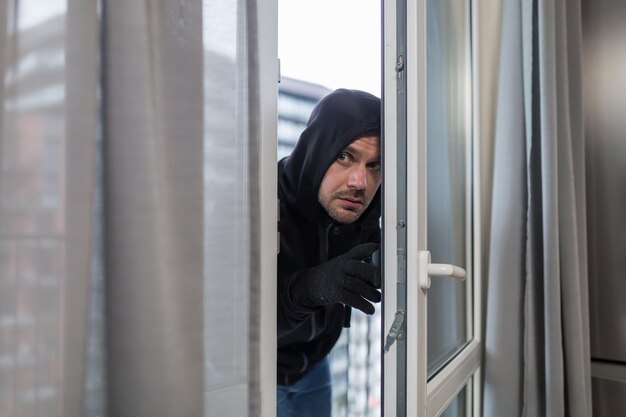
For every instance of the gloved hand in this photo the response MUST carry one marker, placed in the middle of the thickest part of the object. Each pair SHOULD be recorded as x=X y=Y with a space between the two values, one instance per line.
x=345 y=279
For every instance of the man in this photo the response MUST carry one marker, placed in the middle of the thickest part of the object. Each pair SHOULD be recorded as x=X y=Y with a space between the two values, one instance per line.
x=329 y=227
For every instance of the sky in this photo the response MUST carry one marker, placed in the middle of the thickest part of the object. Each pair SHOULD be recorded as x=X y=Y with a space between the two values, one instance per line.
x=335 y=43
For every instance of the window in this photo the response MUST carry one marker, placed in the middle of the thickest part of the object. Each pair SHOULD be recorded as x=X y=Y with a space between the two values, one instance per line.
x=430 y=215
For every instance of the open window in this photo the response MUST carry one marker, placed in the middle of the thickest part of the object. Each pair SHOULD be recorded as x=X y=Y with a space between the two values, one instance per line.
x=431 y=320
x=431 y=290
x=314 y=62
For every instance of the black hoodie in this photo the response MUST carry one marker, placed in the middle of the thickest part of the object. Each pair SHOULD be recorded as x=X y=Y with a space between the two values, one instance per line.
x=308 y=235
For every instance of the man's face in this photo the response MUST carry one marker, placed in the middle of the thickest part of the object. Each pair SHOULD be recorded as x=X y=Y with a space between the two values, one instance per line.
x=352 y=179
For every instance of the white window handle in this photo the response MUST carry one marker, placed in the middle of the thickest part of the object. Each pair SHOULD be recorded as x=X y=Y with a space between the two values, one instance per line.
x=428 y=270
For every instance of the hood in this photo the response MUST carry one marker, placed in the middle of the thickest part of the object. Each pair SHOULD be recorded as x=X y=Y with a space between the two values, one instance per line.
x=336 y=121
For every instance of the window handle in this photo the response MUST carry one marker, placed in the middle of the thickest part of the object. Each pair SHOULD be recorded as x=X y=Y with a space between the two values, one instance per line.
x=428 y=270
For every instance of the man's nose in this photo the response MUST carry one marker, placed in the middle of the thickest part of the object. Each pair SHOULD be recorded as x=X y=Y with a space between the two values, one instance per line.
x=358 y=178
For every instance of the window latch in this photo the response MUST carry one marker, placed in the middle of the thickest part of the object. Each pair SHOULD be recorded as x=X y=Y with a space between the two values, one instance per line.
x=396 y=331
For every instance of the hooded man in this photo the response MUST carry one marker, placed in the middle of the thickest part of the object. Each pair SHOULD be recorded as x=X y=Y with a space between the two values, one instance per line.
x=329 y=228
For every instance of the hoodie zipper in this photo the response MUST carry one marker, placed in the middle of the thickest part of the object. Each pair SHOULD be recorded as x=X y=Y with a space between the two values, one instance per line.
x=324 y=236
x=324 y=233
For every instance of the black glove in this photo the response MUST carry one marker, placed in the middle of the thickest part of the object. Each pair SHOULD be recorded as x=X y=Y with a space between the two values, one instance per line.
x=345 y=279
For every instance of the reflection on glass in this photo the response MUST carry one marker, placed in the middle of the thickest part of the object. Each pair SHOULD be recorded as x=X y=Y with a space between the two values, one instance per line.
x=448 y=197
x=227 y=209
x=32 y=208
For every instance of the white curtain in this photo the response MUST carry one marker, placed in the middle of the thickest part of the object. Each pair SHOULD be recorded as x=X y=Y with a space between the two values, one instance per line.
x=537 y=360
x=128 y=236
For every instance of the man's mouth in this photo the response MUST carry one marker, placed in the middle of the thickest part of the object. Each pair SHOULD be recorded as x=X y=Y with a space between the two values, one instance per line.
x=351 y=203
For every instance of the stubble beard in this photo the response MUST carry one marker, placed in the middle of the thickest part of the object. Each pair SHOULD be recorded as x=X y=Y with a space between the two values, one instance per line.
x=339 y=214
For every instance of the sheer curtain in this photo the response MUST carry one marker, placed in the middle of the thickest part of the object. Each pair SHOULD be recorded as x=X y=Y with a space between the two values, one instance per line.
x=48 y=63
x=537 y=360
x=129 y=192
x=153 y=207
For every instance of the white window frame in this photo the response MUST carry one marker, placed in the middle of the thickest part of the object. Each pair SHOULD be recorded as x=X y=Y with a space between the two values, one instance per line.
x=268 y=97
x=421 y=397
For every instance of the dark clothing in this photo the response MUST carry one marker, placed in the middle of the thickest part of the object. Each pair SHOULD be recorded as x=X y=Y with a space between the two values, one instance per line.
x=308 y=236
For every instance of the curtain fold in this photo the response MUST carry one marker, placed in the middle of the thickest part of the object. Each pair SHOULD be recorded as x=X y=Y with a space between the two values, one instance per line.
x=537 y=359
x=503 y=364
x=153 y=167
x=81 y=120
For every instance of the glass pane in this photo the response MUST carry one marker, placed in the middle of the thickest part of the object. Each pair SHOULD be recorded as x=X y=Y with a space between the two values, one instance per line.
x=449 y=137
x=228 y=211
x=458 y=407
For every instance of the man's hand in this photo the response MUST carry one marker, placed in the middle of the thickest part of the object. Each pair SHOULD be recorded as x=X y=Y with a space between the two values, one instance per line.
x=345 y=279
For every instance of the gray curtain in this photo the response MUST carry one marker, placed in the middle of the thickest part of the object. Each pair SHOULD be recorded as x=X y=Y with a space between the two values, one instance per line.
x=129 y=171
x=153 y=207
x=181 y=138
x=537 y=360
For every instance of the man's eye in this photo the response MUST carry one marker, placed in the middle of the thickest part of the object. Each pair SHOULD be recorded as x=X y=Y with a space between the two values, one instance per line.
x=343 y=157
x=375 y=166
